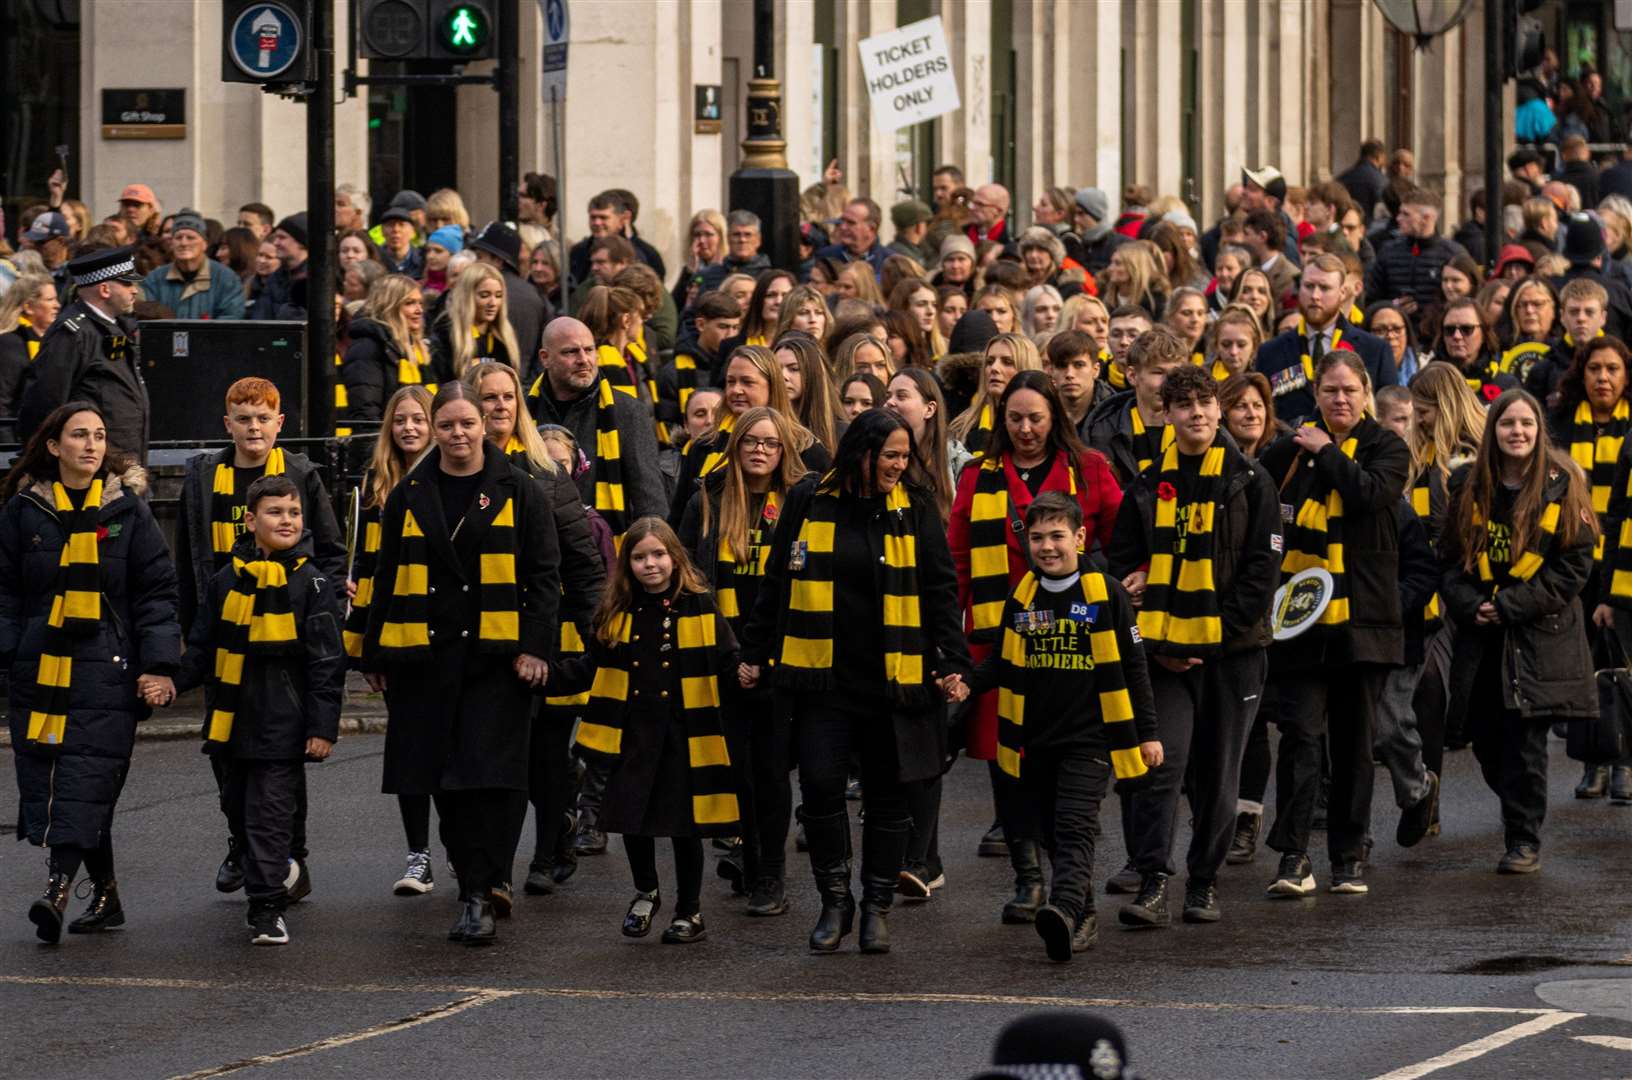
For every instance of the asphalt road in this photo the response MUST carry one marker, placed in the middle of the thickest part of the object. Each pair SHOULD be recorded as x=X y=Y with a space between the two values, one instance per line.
x=1444 y=969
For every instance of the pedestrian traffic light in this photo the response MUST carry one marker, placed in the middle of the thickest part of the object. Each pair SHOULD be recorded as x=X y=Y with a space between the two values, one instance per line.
x=268 y=42
x=461 y=30
x=392 y=30
x=1525 y=38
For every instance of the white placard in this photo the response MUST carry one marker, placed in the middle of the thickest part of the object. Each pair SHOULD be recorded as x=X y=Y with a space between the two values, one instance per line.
x=908 y=72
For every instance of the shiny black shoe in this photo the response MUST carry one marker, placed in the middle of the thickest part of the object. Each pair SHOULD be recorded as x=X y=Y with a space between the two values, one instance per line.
x=46 y=912
x=1055 y=928
x=642 y=909
x=298 y=885
x=993 y=845
x=478 y=917
x=539 y=882
x=1149 y=908
x=1086 y=933
x=1200 y=902
x=229 y=878
x=104 y=912
x=1594 y=782
x=729 y=868
x=1416 y=819
x=769 y=898
x=589 y=841
x=684 y=930
x=503 y=899
x=1244 y=845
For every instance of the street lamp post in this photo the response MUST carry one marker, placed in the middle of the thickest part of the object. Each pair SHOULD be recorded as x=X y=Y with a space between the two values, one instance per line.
x=764 y=184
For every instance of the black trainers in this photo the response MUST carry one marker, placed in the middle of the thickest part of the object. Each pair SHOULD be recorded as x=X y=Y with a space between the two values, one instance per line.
x=911 y=884
x=1200 y=902
x=1149 y=908
x=1125 y=882
x=1520 y=859
x=1055 y=928
x=416 y=879
x=729 y=868
x=993 y=845
x=1416 y=819
x=1296 y=877
x=769 y=898
x=1244 y=845
x=1348 y=879
x=266 y=927
x=230 y=877
x=298 y=884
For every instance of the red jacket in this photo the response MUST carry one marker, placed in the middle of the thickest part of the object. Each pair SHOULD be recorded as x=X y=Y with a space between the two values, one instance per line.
x=1100 y=498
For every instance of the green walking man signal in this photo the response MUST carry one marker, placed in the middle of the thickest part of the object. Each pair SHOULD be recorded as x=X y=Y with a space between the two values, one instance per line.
x=465 y=29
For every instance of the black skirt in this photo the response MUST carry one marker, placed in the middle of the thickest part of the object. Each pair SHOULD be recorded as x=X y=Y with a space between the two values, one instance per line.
x=649 y=790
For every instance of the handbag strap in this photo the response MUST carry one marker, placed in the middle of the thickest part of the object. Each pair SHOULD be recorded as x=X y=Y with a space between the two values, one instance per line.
x=1614 y=650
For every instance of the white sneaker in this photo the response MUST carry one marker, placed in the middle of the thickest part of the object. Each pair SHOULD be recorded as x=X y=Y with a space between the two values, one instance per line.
x=269 y=929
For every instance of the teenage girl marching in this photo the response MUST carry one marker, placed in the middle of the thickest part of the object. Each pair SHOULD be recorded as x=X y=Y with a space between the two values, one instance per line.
x=658 y=647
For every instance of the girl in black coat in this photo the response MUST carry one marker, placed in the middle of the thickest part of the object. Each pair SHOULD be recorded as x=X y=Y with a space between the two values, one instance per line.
x=652 y=671
x=75 y=531
x=727 y=531
x=387 y=349
x=1517 y=551
x=583 y=577
x=859 y=612
x=464 y=613
x=1340 y=477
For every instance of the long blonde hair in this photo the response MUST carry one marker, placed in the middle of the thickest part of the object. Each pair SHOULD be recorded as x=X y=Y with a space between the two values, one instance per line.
x=735 y=498
x=1026 y=358
x=389 y=465
x=462 y=316
x=1459 y=419
x=1147 y=276
x=818 y=407
x=798 y=297
x=22 y=291
x=384 y=305
x=526 y=430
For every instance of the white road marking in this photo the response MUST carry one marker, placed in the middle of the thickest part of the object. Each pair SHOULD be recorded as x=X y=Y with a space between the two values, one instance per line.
x=425 y=1016
x=1612 y=1042
x=1479 y=1047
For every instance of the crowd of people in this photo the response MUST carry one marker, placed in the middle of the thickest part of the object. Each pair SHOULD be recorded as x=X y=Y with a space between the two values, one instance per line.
x=634 y=551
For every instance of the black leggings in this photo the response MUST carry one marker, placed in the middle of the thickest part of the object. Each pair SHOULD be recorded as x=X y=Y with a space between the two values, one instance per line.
x=827 y=738
x=761 y=756
x=688 y=869
x=416 y=820
x=98 y=861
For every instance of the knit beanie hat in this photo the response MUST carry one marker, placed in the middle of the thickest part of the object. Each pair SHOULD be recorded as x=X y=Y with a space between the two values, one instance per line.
x=451 y=237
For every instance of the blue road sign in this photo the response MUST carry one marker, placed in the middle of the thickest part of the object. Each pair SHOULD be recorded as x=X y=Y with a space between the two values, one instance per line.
x=265 y=40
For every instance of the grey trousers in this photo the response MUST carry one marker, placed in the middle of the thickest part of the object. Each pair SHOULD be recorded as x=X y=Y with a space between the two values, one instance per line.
x=1395 y=740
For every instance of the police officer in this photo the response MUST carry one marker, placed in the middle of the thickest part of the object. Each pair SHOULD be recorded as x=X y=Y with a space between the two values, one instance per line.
x=90 y=355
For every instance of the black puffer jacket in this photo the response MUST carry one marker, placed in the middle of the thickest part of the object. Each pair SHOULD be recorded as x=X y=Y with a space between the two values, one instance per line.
x=1410 y=266
x=284 y=699
x=370 y=370
x=68 y=797
x=1109 y=429
x=1546 y=662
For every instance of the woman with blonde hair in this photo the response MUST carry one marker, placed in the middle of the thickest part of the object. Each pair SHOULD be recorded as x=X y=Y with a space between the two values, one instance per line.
x=446 y=206
x=811 y=389
x=805 y=310
x=1236 y=338
x=387 y=350
x=999 y=302
x=1136 y=276
x=916 y=299
x=863 y=353
x=475 y=324
x=27 y=311
x=856 y=282
x=1005 y=355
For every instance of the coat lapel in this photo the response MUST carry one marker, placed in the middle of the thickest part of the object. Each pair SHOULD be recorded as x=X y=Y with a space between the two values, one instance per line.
x=426 y=505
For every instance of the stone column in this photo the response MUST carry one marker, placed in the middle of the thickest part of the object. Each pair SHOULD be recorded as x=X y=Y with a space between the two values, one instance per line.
x=966 y=135
x=866 y=154
x=1152 y=34
x=1438 y=120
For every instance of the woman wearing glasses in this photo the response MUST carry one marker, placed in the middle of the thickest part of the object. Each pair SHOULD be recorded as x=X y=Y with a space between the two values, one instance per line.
x=1466 y=340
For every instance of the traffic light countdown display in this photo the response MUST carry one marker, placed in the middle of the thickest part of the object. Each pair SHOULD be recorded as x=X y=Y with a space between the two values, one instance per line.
x=450 y=30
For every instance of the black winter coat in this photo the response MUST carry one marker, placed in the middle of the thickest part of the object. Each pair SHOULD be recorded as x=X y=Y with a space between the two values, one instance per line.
x=284 y=699
x=1109 y=429
x=195 y=555
x=583 y=569
x=84 y=358
x=1410 y=266
x=530 y=313
x=643 y=489
x=1419 y=579
x=1246 y=556
x=369 y=370
x=1371 y=484
x=441 y=346
x=458 y=719
x=815 y=456
x=14 y=363
x=1547 y=670
x=920 y=734
x=68 y=797
x=1281 y=361
x=1365 y=183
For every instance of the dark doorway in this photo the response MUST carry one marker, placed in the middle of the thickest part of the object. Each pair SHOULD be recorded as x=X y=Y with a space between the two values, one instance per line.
x=412 y=137
x=39 y=110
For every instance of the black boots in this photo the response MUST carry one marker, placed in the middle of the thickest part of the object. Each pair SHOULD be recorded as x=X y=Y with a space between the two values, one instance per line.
x=1026 y=858
x=1594 y=781
x=104 y=912
x=829 y=837
x=1244 y=845
x=229 y=878
x=475 y=925
x=883 y=848
x=46 y=912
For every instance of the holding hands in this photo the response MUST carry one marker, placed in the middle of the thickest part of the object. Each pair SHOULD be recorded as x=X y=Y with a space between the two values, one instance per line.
x=156 y=690
x=954 y=688
x=748 y=675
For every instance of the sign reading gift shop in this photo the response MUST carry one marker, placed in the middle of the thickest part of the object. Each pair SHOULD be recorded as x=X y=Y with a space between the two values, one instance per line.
x=144 y=114
x=908 y=72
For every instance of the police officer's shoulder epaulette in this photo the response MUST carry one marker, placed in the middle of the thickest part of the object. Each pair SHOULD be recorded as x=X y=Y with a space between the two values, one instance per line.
x=72 y=323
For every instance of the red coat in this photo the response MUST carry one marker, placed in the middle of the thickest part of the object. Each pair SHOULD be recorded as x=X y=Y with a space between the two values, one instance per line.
x=1099 y=497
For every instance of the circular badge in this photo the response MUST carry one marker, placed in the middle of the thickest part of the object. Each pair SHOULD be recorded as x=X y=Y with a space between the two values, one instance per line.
x=265 y=40
x=1300 y=603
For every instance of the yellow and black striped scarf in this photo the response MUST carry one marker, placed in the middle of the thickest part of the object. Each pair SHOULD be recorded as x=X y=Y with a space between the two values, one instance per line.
x=1113 y=374
x=806 y=661
x=413 y=370
x=367 y=558
x=715 y=458
x=406 y=632
x=76 y=612
x=991 y=521
x=1307 y=360
x=257 y=619
x=1357 y=317
x=1531 y=560
x=1595 y=448
x=33 y=339
x=1620 y=581
x=727 y=567
x=1315 y=537
x=227 y=504
x=714 y=807
x=630 y=375
x=1147 y=444
x=1109 y=682
x=1422 y=504
x=1180 y=615
x=342 y=401
x=607 y=469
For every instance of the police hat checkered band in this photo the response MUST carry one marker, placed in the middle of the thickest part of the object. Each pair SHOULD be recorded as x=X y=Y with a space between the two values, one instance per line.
x=126 y=267
x=1044 y=1071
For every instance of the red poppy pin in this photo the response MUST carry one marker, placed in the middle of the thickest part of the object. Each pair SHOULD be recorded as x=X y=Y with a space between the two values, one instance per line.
x=1491 y=391
x=1344 y=345
x=1166 y=491
x=770 y=513
x=101 y=533
x=483 y=501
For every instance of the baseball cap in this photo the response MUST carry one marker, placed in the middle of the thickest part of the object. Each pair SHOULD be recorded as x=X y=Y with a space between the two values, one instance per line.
x=1269 y=178
x=138 y=193
x=45 y=226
